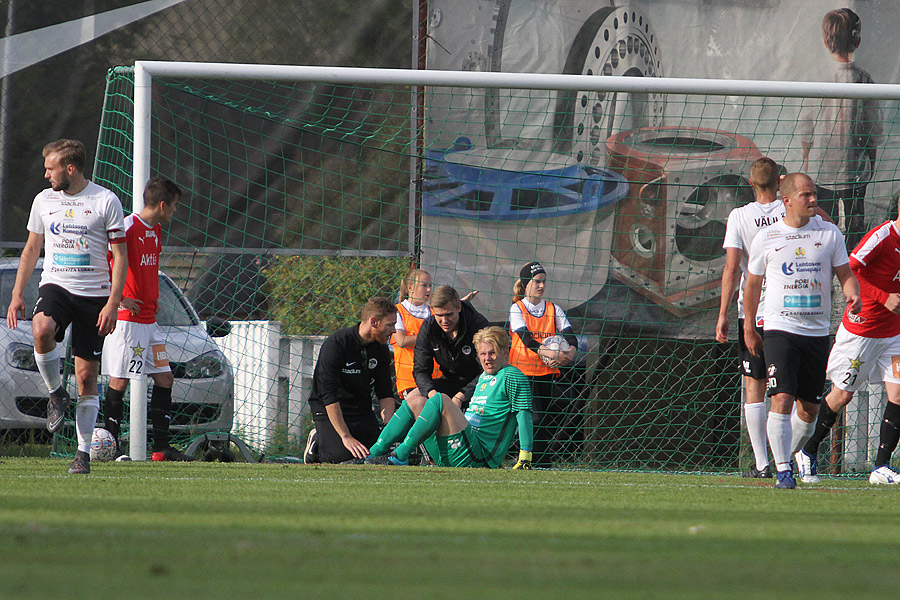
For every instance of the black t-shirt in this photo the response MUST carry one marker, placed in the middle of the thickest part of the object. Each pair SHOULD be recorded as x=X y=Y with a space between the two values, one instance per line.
x=348 y=372
x=456 y=357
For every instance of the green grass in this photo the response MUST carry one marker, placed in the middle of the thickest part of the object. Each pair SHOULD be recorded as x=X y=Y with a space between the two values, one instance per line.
x=237 y=530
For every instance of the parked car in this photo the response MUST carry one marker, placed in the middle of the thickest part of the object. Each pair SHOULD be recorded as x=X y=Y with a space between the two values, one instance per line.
x=203 y=394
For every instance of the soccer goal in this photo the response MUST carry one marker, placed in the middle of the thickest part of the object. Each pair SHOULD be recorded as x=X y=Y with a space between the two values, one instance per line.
x=321 y=186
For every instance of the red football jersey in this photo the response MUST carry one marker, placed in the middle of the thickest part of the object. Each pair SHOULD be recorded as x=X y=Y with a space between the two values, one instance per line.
x=876 y=264
x=142 y=281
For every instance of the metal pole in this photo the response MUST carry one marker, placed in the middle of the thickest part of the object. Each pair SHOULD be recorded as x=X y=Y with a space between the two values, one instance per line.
x=143 y=83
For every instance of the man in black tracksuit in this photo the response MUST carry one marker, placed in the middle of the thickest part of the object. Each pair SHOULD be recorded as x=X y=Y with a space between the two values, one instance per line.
x=445 y=338
x=354 y=362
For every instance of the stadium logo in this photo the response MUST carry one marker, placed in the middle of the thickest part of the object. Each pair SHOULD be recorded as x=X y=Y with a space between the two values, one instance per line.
x=787 y=268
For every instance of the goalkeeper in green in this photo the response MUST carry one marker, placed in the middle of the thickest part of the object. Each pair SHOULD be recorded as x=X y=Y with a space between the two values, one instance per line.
x=500 y=407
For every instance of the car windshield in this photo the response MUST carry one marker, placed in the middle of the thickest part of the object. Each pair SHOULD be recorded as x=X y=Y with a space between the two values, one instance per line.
x=8 y=280
x=173 y=308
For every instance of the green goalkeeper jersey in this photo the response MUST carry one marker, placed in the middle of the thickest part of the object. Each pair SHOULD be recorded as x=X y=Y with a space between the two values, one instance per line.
x=493 y=411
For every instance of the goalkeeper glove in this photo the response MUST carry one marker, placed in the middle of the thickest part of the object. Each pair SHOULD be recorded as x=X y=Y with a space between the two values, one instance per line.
x=524 y=460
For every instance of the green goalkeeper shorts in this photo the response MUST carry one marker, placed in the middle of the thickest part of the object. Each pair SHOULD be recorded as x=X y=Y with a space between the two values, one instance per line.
x=461 y=449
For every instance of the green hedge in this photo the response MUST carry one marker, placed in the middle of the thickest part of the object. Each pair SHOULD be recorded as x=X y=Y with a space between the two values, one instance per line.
x=313 y=295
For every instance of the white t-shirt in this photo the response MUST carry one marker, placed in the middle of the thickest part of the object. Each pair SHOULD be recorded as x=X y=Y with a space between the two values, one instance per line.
x=423 y=311
x=798 y=265
x=76 y=230
x=744 y=223
x=517 y=322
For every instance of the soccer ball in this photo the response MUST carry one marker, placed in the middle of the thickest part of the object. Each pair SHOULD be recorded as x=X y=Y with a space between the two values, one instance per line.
x=557 y=344
x=103 y=445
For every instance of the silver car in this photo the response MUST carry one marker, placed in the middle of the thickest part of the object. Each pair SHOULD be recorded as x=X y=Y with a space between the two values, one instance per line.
x=203 y=394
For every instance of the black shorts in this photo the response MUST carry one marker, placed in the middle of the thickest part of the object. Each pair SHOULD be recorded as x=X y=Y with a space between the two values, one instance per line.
x=751 y=366
x=81 y=312
x=448 y=386
x=331 y=448
x=797 y=364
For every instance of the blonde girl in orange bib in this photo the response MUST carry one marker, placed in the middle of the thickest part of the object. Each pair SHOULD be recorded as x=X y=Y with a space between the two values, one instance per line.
x=415 y=291
x=531 y=320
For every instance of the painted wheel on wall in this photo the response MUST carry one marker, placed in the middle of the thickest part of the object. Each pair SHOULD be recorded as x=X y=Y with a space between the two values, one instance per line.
x=613 y=41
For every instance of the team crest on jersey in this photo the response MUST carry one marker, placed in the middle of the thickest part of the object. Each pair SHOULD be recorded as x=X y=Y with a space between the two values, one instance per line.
x=467 y=350
x=373 y=362
x=493 y=381
x=818 y=245
x=87 y=213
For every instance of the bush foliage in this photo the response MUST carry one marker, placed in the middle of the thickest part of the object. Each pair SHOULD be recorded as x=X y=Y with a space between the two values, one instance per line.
x=314 y=295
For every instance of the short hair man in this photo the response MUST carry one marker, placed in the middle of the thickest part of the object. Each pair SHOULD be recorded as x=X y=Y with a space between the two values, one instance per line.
x=77 y=219
x=354 y=363
x=482 y=436
x=865 y=342
x=445 y=339
x=137 y=346
x=839 y=137
x=744 y=225
x=798 y=256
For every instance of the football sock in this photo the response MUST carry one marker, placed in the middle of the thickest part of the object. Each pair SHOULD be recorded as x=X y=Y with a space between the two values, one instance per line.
x=86 y=412
x=755 y=415
x=890 y=434
x=113 y=411
x=48 y=365
x=778 y=428
x=160 y=416
x=425 y=425
x=800 y=432
x=824 y=423
x=394 y=430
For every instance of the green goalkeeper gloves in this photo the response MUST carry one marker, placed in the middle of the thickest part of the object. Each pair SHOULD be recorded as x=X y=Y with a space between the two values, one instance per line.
x=524 y=460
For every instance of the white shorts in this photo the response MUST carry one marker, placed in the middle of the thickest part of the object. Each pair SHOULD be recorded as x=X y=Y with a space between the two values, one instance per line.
x=854 y=358
x=133 y=349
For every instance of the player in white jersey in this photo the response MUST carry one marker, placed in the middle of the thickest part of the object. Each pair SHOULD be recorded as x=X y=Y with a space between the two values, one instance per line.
x=744 y=223
x=74 y=220
x=798 y=256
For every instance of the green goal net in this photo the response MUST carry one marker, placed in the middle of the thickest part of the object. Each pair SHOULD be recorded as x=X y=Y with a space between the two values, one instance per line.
x=303 y=198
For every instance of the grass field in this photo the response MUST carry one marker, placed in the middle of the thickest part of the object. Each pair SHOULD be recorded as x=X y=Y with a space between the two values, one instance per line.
x=210 y=530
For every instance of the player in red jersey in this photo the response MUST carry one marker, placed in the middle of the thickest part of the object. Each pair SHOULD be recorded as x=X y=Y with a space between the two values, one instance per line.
x=865 y=342
x=137 y=346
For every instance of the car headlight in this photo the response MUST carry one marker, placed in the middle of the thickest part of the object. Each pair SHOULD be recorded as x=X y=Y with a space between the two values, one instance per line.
x=21 y=356
x=211 y=364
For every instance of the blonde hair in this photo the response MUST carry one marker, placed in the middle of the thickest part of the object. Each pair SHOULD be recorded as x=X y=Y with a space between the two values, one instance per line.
x=518 y=290
x=410 y=279
x=496 y=337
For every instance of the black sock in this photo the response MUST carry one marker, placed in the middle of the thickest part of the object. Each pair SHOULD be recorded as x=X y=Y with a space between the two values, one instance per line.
x=824 y=423
x=113 y=411
x=890 y=434
x=160 y=415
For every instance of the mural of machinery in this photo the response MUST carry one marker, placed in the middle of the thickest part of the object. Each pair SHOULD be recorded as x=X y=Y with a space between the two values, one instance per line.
x=486 y=217
x=513 y=175
x=669 y=230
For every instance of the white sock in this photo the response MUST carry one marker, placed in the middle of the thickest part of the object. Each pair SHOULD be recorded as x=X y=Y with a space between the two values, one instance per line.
x=801 y=432
x=48 y=365
x=86 y=412
x=755 y=415
x=778 y=427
